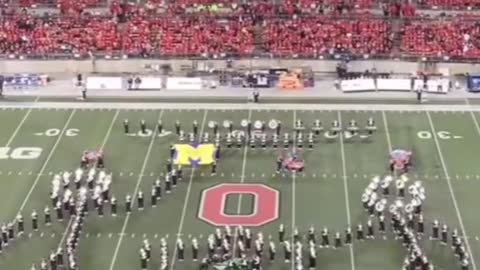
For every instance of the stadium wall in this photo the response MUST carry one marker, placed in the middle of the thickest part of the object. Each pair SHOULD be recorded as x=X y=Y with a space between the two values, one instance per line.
x=138 y=65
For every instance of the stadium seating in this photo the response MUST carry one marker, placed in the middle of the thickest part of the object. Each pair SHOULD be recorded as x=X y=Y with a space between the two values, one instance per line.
x=70 y=35
x=317 y=36
x=188 y=37
x=450 y=4
x=311 y=5
x=440 y=39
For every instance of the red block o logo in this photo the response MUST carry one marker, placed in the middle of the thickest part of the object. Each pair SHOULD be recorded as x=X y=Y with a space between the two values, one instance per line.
x=212 y=205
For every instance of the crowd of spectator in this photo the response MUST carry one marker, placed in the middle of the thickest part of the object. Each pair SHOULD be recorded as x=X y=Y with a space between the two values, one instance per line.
x=316 y=36
x=453 y=39
x=218 y=28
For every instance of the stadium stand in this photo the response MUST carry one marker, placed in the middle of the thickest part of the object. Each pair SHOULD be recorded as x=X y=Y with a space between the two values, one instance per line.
x=307 y=37
x=212 y=28
x=434 y=38
x=188 y=37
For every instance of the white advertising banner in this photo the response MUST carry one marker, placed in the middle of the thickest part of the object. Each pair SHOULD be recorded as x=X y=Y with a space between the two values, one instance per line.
x=439 y=86
x=107 y=83
x=394 y=84
x=150 y=83
x=184 y=83
x=357 y=85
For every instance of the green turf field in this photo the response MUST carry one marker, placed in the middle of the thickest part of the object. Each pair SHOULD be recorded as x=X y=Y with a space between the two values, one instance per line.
x=327 y=193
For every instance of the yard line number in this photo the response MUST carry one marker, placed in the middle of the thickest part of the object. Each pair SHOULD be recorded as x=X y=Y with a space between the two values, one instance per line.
x=443 y=135
x=53 y=132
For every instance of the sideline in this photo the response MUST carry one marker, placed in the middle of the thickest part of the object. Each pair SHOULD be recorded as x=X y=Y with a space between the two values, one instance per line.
x=236 y=106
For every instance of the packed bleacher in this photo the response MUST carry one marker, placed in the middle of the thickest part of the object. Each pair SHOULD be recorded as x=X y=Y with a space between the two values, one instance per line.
x=224 y=28
x=454 y=39
x=315 y=36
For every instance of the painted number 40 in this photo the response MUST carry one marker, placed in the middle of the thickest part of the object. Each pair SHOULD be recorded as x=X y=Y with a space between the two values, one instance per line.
x=443 y=135
x=20 y=152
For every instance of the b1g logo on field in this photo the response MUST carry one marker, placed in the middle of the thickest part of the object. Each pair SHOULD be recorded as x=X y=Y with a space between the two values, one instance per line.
x=266 y=205
x=20 y=152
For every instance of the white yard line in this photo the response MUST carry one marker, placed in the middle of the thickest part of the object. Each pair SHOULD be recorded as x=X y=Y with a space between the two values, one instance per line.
x=18 y=127
x=187 y=198
x=345 y=188
x=474 y=118
x=387 y=131
x=45 y=163
x=242 y=106
x=294 y=176
x=242 y=180
x=450 y=187
x=105 y=139
x=134 y=195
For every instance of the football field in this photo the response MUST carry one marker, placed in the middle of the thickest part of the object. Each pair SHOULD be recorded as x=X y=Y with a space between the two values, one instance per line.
x=37 y=143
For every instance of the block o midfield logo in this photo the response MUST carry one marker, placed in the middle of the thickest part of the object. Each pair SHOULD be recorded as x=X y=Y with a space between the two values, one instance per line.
x=213 y=201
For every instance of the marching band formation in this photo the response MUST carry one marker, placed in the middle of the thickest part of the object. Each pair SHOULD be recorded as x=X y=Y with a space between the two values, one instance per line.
x=75 y=195
x=255 y=135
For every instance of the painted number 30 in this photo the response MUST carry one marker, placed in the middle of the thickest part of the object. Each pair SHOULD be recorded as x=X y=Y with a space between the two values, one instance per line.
x=443 y=135
x=266 y=205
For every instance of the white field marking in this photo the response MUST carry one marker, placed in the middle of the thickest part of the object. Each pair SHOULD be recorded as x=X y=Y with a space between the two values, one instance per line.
x=45 y=163
x=242 y=180
x=294 y=175
x=104 y=142
x=345 y=186
x=187 y=197
x=134 y=195
x=243 y=106
x=387 y=131
x=450 y=187
x=474 y=118
x=19 y=126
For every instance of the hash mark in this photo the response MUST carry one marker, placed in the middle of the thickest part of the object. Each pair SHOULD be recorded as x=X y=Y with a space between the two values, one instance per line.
x=19 y=173
x=10 y=173
x=131 y=173
x=133 y=235
x=110 y=235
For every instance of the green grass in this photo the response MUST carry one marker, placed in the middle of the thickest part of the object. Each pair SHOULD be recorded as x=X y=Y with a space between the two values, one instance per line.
x=318 y=197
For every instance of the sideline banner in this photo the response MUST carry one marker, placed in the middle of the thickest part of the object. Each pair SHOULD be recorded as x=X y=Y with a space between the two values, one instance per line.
x=149 y=83
x=394 y=84
x=106 y=83
x=439 y=86
x=357 y=85
x=25 y=80
x=184 y=83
